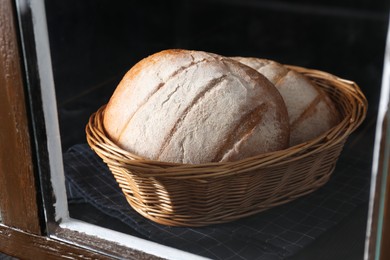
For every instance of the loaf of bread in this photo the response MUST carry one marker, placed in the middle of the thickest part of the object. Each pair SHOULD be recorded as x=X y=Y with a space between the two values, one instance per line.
x=311 y=112
x=196 y=107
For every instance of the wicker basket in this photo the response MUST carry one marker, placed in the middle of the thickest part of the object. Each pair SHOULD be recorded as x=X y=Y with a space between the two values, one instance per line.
x=197 y=195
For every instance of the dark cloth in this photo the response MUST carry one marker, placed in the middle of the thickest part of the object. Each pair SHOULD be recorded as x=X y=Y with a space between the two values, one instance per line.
x=274 y=234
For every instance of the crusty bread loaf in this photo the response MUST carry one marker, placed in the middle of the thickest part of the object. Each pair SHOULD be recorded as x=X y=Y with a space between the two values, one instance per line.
x=310 y=110
x=196 y=107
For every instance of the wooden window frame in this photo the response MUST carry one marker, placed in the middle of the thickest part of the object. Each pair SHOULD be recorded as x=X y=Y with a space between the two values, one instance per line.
x=31 y=88
x=21 y=232
x=378 y=223
x=29 y=224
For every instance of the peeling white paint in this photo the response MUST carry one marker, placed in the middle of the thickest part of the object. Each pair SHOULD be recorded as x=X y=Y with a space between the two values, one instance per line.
x=378 y=191
x=129 y=241
x=49 y=107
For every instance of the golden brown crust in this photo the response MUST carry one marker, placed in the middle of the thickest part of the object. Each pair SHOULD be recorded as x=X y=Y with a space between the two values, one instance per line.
x=157 y=102
x=311 y=112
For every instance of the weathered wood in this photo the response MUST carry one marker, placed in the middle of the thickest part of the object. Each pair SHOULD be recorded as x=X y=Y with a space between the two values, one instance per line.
x=385 y=247
x=104 y=247
x=24 y=245
x=18 y=197
x=385 y=167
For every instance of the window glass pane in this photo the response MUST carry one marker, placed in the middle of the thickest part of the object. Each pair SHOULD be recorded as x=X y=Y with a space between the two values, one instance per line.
x=94 y=43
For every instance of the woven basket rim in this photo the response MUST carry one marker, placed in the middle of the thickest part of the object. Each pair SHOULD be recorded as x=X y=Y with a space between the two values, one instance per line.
x=109 y=151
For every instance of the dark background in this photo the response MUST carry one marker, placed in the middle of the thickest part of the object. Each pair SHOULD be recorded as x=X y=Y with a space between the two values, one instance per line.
x=94 y=43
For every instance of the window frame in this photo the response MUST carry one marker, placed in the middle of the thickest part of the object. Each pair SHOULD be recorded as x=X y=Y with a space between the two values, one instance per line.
x=378 y=222
x=46 y=148
x=20 y=203
x=32 y=217
x=19 y=197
